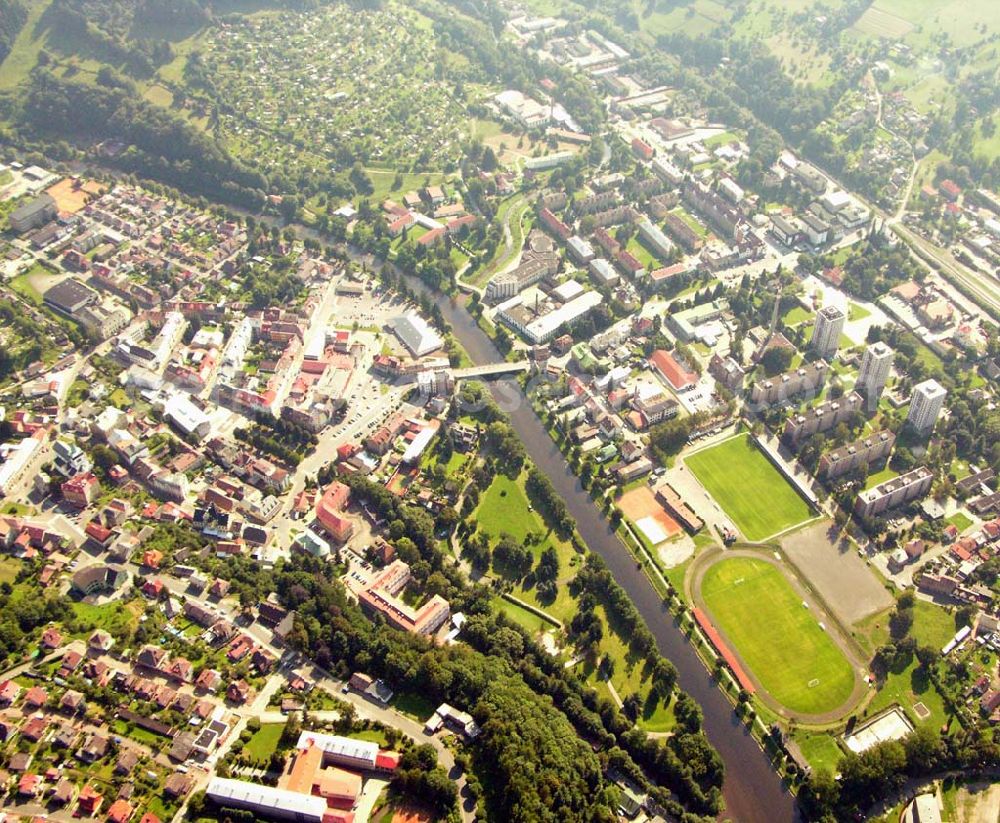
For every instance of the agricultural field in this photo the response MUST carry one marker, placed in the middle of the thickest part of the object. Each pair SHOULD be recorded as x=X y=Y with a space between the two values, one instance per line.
x=776 y=635
x=315 y=90
x=749 y=489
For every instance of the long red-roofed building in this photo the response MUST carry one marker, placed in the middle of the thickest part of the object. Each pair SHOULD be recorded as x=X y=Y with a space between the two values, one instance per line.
x=672 y=371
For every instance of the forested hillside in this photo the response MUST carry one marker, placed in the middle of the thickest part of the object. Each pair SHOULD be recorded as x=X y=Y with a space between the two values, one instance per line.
x=163 y=145
x=13 y=15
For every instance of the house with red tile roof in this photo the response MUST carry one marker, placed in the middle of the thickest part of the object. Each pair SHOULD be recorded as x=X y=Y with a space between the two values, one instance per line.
x=240 y=648
x=35 y=729
x=209 y=680
x=35 y=697
x=180 y=669
x=961 y=553
x=120 y=812
x=238 y=691
x=90 y=801
x=72 y=701
x=29 y=784
x=153 y=588
x=70 y=663
x=950 y=190
x=51 y=638
x=9 y=692
x=100 y=641
x=99 y=534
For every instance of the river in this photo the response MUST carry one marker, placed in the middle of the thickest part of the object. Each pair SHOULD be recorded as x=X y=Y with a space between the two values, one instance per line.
x=752 y=790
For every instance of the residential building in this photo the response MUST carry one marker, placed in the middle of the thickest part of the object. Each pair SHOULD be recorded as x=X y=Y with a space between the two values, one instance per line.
x=655 y=238
x=926 y=403
x=792 y=383
x=896 y=492
x=787 y=230
x=538 y=261
x=82 y=490
x=653 y=405
x=873 y=448
x=728 y=372
x=69 y=459
x=822 y=418
x=603 y=272
x=381 y=595
x=642 y=149
x=462 y=722
x=581 y=251
x=826 y=333
x=329 y=511
x=680 y=231
x=874 y=373
x=554 y=224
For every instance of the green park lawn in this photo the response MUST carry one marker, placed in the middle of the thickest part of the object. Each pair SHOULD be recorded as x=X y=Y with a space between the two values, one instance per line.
x=384 y=183
x=10 y=567
x=630 y=675
x=857 y=312
x=777 y=637
x=748 y=488
x=525 y=619
x=960 y=521
x=878 y=477
x=114 y=618
x=264 y=742
x=504 y=507
x=412 y=705
x=798 y=315
x=820 y=749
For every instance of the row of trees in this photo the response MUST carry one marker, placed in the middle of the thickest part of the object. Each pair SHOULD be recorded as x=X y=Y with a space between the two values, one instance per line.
x=263 y=440
x=552 y=506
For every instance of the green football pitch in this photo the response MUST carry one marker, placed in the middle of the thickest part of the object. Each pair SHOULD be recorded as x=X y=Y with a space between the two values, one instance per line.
x=777 y=637
x=749 y=489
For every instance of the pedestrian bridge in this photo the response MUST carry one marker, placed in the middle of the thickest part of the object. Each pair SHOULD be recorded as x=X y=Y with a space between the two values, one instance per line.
x=491 y=370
